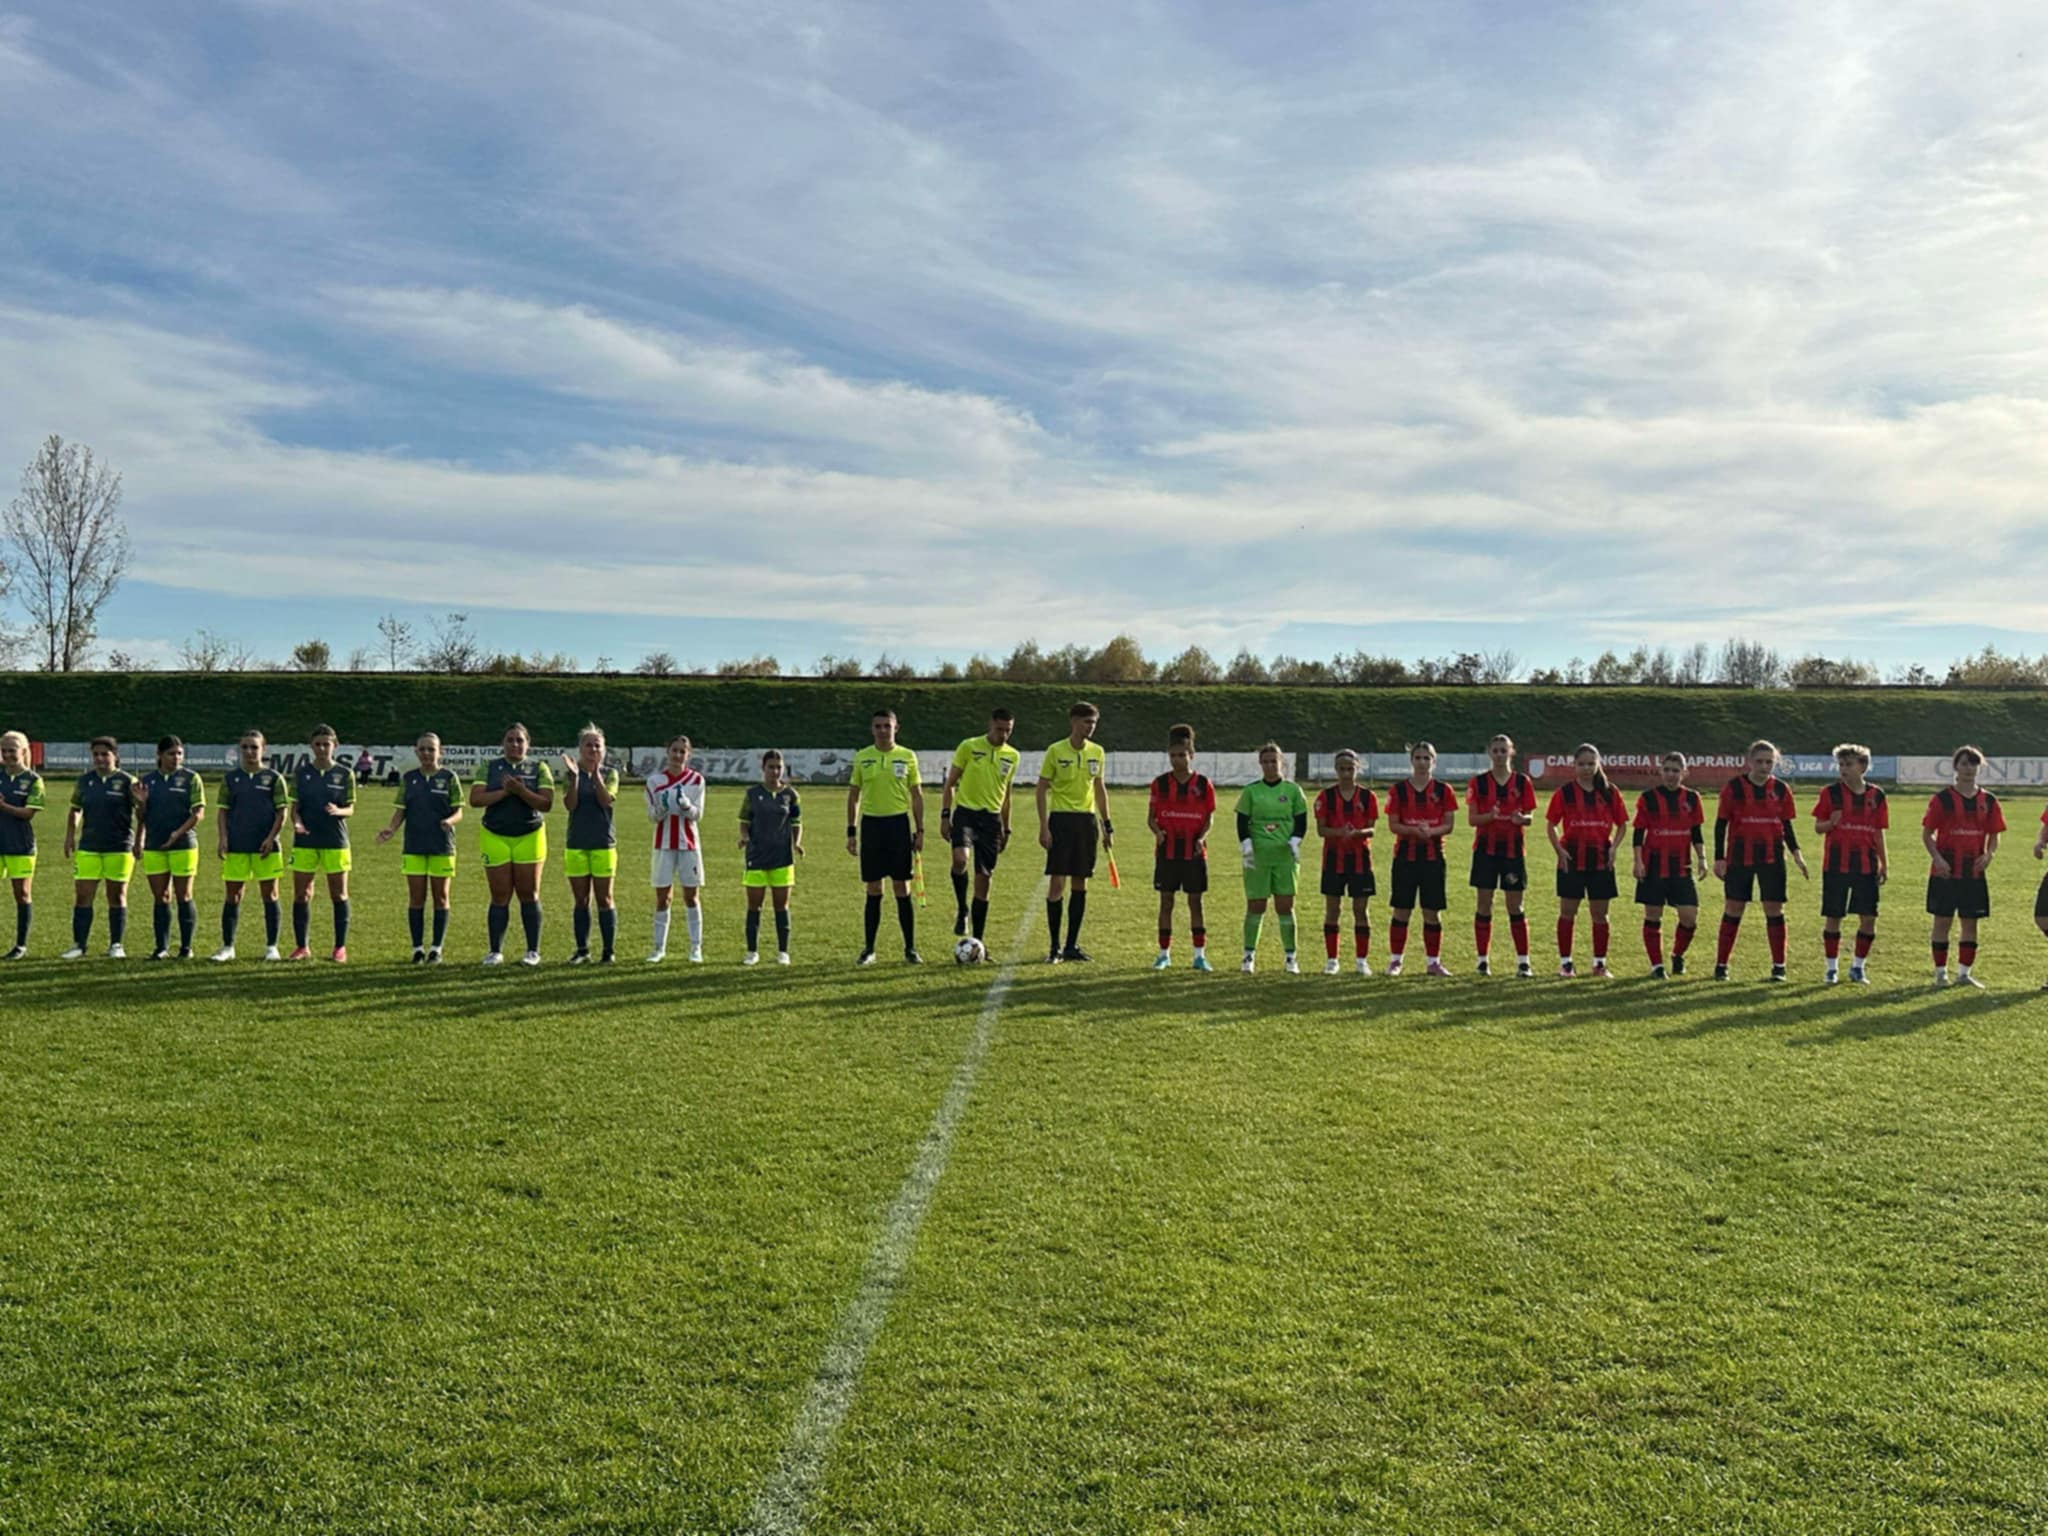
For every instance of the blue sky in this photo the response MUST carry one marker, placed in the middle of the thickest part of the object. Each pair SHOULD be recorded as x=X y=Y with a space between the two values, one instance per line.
x=934 y=327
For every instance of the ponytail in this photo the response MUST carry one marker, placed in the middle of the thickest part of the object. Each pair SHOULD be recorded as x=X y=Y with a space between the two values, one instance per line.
x=1601 y=784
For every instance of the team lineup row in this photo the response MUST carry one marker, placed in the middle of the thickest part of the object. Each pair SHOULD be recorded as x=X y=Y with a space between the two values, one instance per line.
x=117 y=819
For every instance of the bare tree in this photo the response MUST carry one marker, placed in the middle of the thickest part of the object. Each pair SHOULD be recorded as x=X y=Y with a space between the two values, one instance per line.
x=840 y=667
x=73 y=547
x=312 y=656
x=1496 y=667
x=1750 y=664
x=454 y=647
x=891 y=669
x=397 y=636
x=126 y=661
x=752 y=666
x=657 y=664
x=1695 y=666
x=362 y=659
x=211 y=652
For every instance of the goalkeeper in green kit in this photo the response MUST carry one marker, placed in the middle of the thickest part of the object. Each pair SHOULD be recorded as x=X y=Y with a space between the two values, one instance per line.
x=1272 y=819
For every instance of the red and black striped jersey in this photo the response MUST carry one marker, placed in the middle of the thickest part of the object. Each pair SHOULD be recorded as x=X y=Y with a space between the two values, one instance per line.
x=1756 y=816
x=1350 y=855
x=1668 y=822
x=1585 y=818
x=1182 y=809
x=1488 y=794
x=1850 y=846
x=1962 y=826
x=1432 y=806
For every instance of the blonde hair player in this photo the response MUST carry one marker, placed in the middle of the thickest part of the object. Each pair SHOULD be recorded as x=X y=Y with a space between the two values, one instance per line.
x=1753 y=833
x=1851 y=816
x=21 y=797
x=427 y=807
x=1586 y=822
x=592 y=857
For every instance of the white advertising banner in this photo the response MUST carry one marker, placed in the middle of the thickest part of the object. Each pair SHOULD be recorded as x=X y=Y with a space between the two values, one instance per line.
x=1997 y=772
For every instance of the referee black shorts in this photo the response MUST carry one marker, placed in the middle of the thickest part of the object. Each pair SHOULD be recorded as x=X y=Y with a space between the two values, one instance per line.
x=1075 y=837
x=983 y=832
x=885 y=848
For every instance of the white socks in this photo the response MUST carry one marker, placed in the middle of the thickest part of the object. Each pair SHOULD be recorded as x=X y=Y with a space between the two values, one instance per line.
x=695 y=917
x=661 y=918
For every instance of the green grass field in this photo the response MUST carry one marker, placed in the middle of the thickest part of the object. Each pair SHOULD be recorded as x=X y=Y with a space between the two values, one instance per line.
x=378 y=1249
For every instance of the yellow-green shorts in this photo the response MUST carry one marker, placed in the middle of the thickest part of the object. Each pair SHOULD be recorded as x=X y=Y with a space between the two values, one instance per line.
x=241 y=868
x=774 y=879
x=112 y=867
x=17 y=866
x=601 y=862
x=170 y=861
x=321 y=861
x=435 y=866
x=530 y=849
x=1264 y=880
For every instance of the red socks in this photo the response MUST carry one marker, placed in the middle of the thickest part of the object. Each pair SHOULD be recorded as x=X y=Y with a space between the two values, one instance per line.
x=1397 y=937
x=1774 y=930
x=1683 y=941
x=1564 y=936
x=1966 y=952
x=1725 y=946
x=1600 y=931
x=1518 y=929
x=1831 y=945
x=1482 y=936
x=1166 y=938
x=1653 y=942
x=1863 y=941
x=1432 y=939
x=1361 y=941
x=1331 y=933
x=1940 y=955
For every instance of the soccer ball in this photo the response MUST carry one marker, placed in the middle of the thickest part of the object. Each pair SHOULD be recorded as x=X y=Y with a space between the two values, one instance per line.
x=969 y=951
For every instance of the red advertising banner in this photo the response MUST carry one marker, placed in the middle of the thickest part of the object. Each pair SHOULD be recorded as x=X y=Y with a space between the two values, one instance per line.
x=1639 y=770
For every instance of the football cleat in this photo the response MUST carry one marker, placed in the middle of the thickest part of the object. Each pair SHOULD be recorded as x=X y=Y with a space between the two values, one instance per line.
x=271 y=952
x=1656 y=973
x=1201 y=963
x=1164 y=962
x=657 y=957
x=1291 y=965
x=1074 y=954
x=581 y=957
x=912 y=957
x=1524 y=971
x=1249 y=964
x=1436 y=968
x=1965 y=979
x=530 y=958
x=1394 y=965
x=73 y=953
x=1777 y=973
x=116 y=952
x=1720 y=973
x=19 y=952
x=782 y=957
x=751 y=957
x=1566 y=969
x=1363 y=966
x=1678 y=965
x=1485 y=966
x=1333 y=967
x=867 y=957
x=302 y=953
x=494 y=958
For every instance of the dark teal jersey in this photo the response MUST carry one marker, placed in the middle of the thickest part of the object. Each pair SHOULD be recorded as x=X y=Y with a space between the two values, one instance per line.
x=105 y=803
x=511 y=816
x=249 y=804
x=23 y=789
x=770 y=818
x=429 y=800
x=173 y=797
x=590 y=824
x=315 y=791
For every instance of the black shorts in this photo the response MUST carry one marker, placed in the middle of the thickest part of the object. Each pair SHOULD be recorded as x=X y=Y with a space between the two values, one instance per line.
x=1180 y=875
x=983 y=832
x=1586 y=885
x=1075 y=835
x=1667 y=891
x=2041 y=900
x=1958 y=896
x=1418 y=883
x=1843 y=894
x=1354 y=883
x=885 y=848
x=1754 y=882
x=1499 y=872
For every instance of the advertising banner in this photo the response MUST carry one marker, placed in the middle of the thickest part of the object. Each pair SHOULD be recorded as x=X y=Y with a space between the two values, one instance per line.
x=1997 y=772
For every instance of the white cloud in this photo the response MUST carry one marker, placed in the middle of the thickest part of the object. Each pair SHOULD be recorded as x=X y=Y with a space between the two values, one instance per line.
x=775 y=396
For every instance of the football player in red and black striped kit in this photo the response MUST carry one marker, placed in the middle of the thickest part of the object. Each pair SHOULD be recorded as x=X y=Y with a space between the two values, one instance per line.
x=1960 y=831
x=1587 y=822
x=1753 y=833
x=1182 y=810
x=2041 y=895
x=1345 y=814
x=1500 y=803
x=1671 y=860
x=1851 y=816
x=1421 y=810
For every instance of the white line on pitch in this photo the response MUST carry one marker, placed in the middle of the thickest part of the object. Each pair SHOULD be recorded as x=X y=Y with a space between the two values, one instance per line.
x=783 y=1507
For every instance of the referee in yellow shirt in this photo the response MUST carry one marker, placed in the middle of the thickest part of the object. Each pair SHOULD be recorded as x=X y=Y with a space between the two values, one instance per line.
x=974 y=813
x=1072 y=798
x=885 y=829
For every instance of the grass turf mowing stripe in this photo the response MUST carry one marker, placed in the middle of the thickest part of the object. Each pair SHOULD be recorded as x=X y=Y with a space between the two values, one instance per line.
x=783 y=1506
